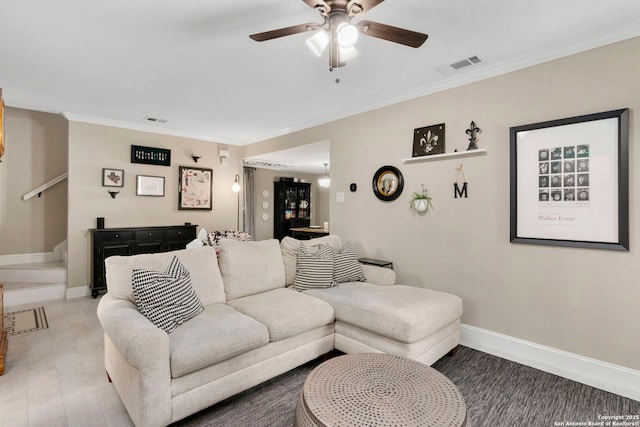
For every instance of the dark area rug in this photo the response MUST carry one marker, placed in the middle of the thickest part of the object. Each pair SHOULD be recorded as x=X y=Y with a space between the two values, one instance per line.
x=497 y=393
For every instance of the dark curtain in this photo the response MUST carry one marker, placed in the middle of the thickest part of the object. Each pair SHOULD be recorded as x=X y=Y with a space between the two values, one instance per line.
x=248 y=218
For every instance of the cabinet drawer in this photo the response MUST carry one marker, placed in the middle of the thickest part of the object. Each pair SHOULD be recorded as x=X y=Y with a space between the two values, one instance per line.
x=150 y=234
x=115 y=236
x=184 y=234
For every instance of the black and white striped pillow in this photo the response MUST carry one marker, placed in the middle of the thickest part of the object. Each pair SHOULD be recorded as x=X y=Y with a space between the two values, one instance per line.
x=166 y=299
x=315 y=270
x=346 y=267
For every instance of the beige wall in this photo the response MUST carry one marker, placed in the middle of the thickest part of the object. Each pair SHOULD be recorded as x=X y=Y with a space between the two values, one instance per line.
x=36 y=152
x=93 y=147
x=580 y=300
x=264 y=179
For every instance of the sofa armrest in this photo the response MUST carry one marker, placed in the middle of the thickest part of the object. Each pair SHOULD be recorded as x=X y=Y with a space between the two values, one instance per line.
x=137 y=346
x=137 y=339
x=379 y=275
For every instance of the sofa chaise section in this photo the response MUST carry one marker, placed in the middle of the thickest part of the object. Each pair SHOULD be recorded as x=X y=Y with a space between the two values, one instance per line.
x=379 y=316
x=417 y=323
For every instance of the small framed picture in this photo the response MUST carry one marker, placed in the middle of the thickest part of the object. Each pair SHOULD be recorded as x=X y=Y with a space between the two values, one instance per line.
x=112 y=177
x=149 y=185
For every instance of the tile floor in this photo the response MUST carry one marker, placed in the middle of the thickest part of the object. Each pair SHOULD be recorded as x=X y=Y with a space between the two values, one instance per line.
x=56 y=376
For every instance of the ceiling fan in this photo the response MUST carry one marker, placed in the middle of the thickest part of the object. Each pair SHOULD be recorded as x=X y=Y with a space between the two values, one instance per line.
x=340 y=34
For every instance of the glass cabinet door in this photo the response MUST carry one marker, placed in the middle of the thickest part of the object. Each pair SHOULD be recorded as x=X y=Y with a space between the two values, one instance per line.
x=304 y=204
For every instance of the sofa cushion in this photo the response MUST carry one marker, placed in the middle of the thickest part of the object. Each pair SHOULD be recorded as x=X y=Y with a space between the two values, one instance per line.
x=289 y=247
x=250 y=267
x=285 y=312
x=403 y=313
x=217 y=334
x=167 y=299
x=202 y=264
x=315 y=270
x=346 y=267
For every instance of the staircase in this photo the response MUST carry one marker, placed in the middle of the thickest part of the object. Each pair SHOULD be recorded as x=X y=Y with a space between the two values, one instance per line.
x=34 y=282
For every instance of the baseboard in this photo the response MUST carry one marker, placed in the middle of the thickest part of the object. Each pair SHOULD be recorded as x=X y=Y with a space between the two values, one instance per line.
x=26 y=258
x=78 y=292
x=595 y=373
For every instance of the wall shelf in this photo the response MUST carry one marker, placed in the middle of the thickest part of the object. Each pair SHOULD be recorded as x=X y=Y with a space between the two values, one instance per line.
x=469 y=153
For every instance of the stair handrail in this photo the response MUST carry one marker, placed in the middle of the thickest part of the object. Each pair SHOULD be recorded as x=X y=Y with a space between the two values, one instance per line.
x=43 y=187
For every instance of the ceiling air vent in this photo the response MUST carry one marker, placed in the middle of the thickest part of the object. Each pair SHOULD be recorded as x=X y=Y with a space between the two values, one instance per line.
x=155 y=120
x=458 y=65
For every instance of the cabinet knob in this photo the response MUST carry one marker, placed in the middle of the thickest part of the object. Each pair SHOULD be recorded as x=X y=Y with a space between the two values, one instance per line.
x=149 y=234
x=117 y=236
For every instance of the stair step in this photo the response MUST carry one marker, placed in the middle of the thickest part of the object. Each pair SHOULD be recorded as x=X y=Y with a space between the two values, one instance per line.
x=16 y=293
x=36 y=272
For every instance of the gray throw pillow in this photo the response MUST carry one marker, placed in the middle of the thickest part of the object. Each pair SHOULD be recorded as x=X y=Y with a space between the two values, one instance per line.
x=314 y=270
x=346 y=267
x=167 y=299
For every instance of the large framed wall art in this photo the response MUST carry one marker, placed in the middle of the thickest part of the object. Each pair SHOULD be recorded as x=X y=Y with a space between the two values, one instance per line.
x=195 y=188
x=570 y=182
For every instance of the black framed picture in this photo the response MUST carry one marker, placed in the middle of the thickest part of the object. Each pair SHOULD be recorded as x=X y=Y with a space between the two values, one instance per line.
x=112 y=177
x=570 y=182
x=428 y=140
x=196 y=188
x=150 y=155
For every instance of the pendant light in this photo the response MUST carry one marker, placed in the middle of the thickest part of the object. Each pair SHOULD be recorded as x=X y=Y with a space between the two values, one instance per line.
x=325 y=181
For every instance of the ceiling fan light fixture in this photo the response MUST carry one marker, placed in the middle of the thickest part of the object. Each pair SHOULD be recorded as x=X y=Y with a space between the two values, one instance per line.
x=347 y=35
x=347 y=54
x=318 y=42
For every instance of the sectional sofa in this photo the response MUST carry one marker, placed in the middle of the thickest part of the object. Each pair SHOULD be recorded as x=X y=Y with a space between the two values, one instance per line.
x=251 y=317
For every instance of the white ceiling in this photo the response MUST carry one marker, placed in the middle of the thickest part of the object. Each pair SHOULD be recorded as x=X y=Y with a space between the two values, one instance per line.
x=309 y=158
x=192 y=63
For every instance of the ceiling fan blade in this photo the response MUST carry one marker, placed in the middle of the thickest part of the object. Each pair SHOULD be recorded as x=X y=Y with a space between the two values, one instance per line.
x=392 y=34
x=282 y=32
x=364 y=5
x=313 y=3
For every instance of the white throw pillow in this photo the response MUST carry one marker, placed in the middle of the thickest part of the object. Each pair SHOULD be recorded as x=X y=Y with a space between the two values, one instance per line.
x=315 y=270
x=166 y=299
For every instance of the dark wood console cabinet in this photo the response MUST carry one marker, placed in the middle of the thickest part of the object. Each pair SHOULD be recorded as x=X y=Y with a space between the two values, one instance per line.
x=132 y=241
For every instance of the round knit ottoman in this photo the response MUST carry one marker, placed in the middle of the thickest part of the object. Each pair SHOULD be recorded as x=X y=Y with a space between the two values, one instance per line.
x=375 y=389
